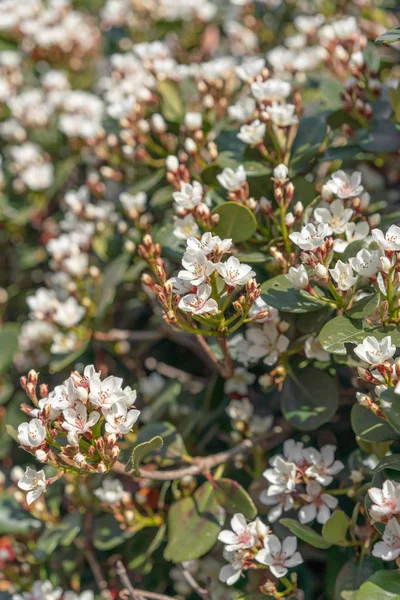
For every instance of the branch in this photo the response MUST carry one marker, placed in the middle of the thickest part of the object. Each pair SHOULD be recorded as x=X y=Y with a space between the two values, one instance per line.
x=95 y=568
x=194 y=585
x=205 y=463
x=136 y=594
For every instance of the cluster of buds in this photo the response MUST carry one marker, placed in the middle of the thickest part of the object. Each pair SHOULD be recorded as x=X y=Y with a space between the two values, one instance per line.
x=76 y=427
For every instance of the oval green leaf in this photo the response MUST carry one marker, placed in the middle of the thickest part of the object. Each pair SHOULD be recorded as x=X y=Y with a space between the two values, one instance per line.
x=235 y=221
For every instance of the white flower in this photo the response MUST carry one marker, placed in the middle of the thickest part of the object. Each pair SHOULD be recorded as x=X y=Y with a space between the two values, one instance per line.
x=272 y=89
x=44 y=302
x=32 y=433
x=374 y=352
x=389 y=547
x=234 y=273
x=386 y=501
x=252 y=134
x=281 y=173
x=345 y=186
x=366 y=263
x=62 y=344
x=336 y=216
x=282 y=477
x=353 y=233
x=279 y=557
x=282 y=115
x=69 y=313
x=41 y=590
x=200 y=302
x=323 y=464
x=193 y=121
x=242 y=537
x=110 y=492
x=120 y=419
x=232 y=180
x=133 y=201
x=389 y=241
x=280 y=502
x=251 y=68
x=240 y=410
x=243 y=109
x=77 y=422
x=343 y=275
x=231 y=573
x=186 y=227
x=207 y=244
x=319 y=505
x=239 y=382
x=33 y=482
x=266 y=343
x=313 y=349
x=298 y=277
x=105 y=393
x=172 y=163
x=189 y=195
x=152 y=385
x=310 y=237
x=197 y=268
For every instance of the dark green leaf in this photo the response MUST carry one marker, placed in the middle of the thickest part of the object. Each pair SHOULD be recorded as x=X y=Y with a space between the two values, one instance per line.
x=161 y=197
x=340 y=331
x=172 y=107
x=383 y=585
x=390 y=36
x=352 y=249
x=353 y=574
x=236 y=221
x=144 y=545
x=306 y=533
x=310 y=135
x=8 y=345
x=141 y=450
x=234 y=499
x=173 y=448
x=369 y=427
x=382 y=136
x=280 y=293
x=60 y=534
x=14 y=519
x=107 y=533
x=364 y=307
x=390 y=405
x=113 y=275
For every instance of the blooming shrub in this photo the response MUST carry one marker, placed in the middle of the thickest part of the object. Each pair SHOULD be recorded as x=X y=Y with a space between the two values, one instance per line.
x=200 y=301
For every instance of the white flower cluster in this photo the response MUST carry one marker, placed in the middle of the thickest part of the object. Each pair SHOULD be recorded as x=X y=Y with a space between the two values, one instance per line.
x=44 y=590
x=254 y=541
x=297 y=480
x=386 y=509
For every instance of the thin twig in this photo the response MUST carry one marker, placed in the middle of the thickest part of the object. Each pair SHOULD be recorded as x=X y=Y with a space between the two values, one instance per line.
x=200 y=464
x=194 y=585
x=96 y=569
x=137 y=594
x=220 y=367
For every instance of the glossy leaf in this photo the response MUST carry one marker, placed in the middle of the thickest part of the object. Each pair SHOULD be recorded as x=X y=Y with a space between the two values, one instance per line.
x=8 y=345
x=306 y=533
x=390 y=405
x=310 y=135
x=336 y=527
x=173 y=446
x=369 y=427
x=364 y=307
x=14 y=519
x=141 y=450
x=235 y=221
x=113 y=275
x=107 y=533
x=234 y=499
x=390 y=36
x=383 y=585
x=341 y=331
x=280 y=293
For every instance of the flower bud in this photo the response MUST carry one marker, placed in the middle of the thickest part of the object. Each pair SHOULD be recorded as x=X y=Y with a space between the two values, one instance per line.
x=281 y=173
x=193 y=121
x=172 y=163
x=321 y=271
x=190 y=146
x=374 y=219
x=385 y=264
x=289 y=219
x=41 y=456
x=158 y=123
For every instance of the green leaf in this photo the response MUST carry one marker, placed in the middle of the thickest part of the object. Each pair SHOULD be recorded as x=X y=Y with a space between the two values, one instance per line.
x=310 y=135
x=145 y=544
x=309 y=398
x=141 y=450
x=336 y=527
x=14 y=519
x=251 y=257
x=113 y=275
x=60 y=364
x=280 y=293
x=235 y=221
x=369 y=427
x=234 y=499
x=172 y=107
x=340 y=331
x=60 y=534
x=390 y=36
x=172 y=248
x=107 y=533
x=383 y=585
x=390 y=406
x=306 y=533
x=382 y=136
x=364 y=307
x=352 y=249
x=353 y=574
x=173 y=447
x=146 y=183
x=388 y=462
x=8 y=345
x=193 y=525
x=161 y=197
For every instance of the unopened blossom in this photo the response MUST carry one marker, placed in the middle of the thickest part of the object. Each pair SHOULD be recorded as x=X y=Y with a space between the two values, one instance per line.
x=189 y=195
x=240 y=410
x=298 y=277
x=386 y=501
x=279 y=556
x=186 y=227
x=252 y=134
x=231 y=572
x=366 y=263
x=119 y=419
x=234 y=273
x=200 y=302
x=345 y=186
x=232 y=180
x=77 y=422
x=343 y=275
x=335 y=216
x=33 y=482
x=69 y=313
x=271 y=90
x=389 y=548
x=110 y=492
x=280 y=173
x=31 y=434
x=319 y=504
x=242 y=536
x=374 y=351
x=310 y=237
x=388 y=241
x=239 y=381
x=197 y=268
x=282 y=115
x=281 y=477
x=323 y=464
